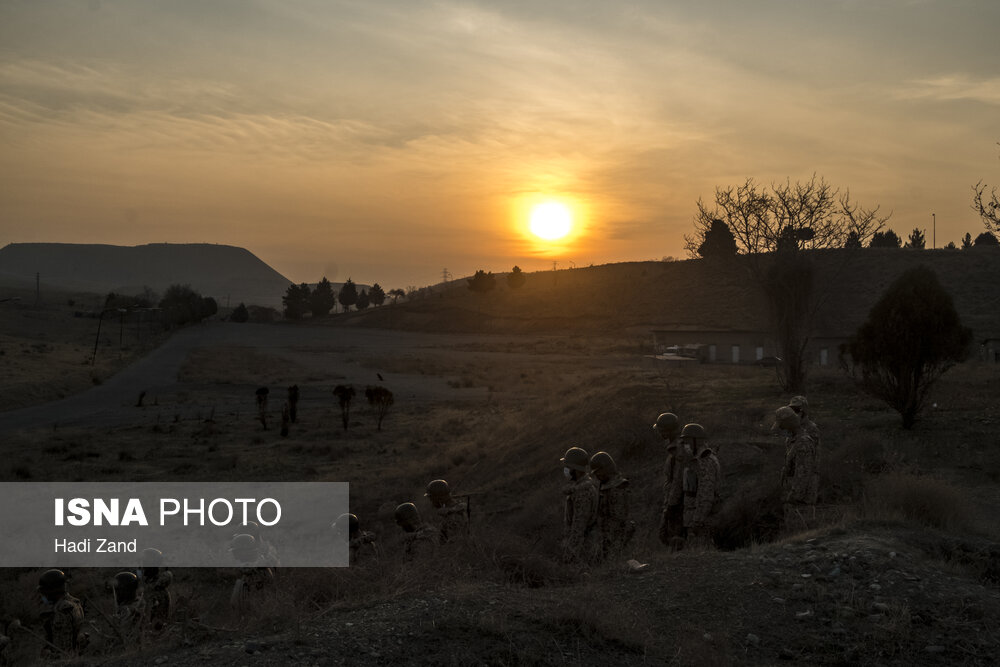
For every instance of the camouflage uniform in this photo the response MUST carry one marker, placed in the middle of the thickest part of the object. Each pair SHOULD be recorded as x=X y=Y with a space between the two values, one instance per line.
x=363 y=547
x=251 y=582
x=612 y=516
x=701 y=490
x=156 y=595
x=454 y=520
x=672 y=519
x=800 y=478
x=580 y=540
x=63 y=622
x=421 y=542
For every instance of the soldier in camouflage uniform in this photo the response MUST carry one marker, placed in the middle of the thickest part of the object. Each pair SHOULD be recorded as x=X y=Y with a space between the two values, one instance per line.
x=801 y=407
x=613 y=524
x=580 y=541
x=361 y=543
x=265 y=548
x=62 y=614
x=421 y=539
x=129 y=609
x=678 y=457
x=453 y=515
x=255 y=575
x=701 y=486
x=155 y=579
x=799 y=476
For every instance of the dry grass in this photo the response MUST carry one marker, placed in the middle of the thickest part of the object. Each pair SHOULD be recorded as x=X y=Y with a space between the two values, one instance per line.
x=927 y=500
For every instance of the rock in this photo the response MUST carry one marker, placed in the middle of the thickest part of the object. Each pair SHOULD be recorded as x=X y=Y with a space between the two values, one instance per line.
x=880 y=606
x=753 y=639
x=804 y=614
x=778 y=600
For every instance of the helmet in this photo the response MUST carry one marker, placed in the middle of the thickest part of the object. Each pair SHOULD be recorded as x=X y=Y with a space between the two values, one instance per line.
x=786 y=418
x=603 y=466
x=151 y=558
x=349 y=521
x=126 y=584
x=438 y=492
x=576 y=459
x=696 y=431
x=244 y=548
x=799 y=402
x=667 y=425
x=407 y=516
x=52 y=581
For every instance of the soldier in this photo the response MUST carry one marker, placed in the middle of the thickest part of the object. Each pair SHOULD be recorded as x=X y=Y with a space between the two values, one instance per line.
x=129 y=610
x=262 y=393
x=454 y=515
x=285 y=419
x=678 y=457
x=801 y=407
x=255 y=575
x=293 y=402
x=268 y=553
x=62 y=615
x=799 y=478
x=613 y=524
x=361 y=543
x=154 y=580
x=421 y=538
x=580 y=541
x=701 y=486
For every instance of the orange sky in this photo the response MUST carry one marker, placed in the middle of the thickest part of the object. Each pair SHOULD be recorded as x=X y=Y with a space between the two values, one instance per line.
x=387 y=141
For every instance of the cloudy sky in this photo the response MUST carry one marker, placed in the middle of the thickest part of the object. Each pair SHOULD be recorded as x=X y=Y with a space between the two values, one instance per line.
x=389 y=140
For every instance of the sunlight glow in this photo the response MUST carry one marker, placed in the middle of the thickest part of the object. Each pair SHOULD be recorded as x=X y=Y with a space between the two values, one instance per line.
x=551 y=221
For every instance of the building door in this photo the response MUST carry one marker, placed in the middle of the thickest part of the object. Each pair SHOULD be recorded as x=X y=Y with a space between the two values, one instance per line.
x=711 y=353
x=736 y=354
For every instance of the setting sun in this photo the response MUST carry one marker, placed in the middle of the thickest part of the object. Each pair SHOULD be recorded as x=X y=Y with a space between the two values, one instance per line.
x=550 y=221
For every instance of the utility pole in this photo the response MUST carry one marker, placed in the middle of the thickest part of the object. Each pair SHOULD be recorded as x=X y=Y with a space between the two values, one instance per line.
x=934 y=216
x=445 y=275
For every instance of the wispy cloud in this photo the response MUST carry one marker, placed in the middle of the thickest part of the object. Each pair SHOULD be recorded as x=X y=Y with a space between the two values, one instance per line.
x=954 y=87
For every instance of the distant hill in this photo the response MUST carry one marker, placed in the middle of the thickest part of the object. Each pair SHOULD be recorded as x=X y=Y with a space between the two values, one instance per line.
x=227 y=273
x=697 y=293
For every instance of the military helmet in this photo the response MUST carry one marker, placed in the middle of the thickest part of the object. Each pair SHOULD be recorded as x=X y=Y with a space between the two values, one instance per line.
x=696 y=431
x=438 y=491
x=667 y=424
x=244 y=548
x=52 y=581
x=799 y=402
x=786 y=418
x=350 y=521
x=152 y=558
x=126 y=584
x=576 y=459
x=603 y=465
x=407 y=514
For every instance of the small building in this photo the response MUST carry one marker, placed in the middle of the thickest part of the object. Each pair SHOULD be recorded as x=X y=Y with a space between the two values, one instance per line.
x=737 y=346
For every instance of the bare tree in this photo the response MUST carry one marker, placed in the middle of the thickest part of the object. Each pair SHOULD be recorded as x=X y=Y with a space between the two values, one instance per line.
x=987 y=205
x=344 y=394
x=380 y=399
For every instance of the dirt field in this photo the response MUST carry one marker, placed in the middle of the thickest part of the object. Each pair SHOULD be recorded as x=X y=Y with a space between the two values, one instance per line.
x=887 y=581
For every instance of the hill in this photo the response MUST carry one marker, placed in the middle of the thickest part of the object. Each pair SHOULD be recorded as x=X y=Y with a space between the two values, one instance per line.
x=644 y=295
x=227 y=273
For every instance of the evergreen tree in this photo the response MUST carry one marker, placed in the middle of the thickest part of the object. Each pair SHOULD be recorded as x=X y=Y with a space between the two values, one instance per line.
x=363 y=300
x=482 y=282
x=853 y=240
x=376 y=295
x=916 y=240
x=886 y=239
x=240 y=314
x=348 y=295
x=296 y=301
x=913 y=334
x=985 y=239
x=719 y=241
x=967 y=241
x=321 y=300
x=515 y=279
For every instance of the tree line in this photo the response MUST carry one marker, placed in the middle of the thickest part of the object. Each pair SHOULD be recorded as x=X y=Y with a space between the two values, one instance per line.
x=300 y=300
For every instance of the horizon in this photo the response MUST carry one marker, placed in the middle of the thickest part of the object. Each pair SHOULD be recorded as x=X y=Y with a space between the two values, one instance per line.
x=388 y=143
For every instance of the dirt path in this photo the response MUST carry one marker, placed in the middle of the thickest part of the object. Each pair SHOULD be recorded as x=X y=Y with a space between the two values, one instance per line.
x=334 y=352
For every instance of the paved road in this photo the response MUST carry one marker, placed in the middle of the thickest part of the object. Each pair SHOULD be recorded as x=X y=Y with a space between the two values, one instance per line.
x=112 y=402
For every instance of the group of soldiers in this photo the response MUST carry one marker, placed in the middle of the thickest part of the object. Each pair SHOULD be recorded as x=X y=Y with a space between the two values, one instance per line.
x=142 y=604
x=596 y=517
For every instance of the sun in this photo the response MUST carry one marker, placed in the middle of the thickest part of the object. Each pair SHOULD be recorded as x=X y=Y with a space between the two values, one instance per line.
x=551 y=221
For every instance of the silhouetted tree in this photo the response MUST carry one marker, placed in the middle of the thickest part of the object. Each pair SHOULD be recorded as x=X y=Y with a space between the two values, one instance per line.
x=182 y=305
x=985 y=239
x=788 y=286
x=240 y=314
x=913 y=334
x=380 y=399
x=376 y=295
x=321 y=300
x=951 y=246
x=363 y=300
x=853 y=241
x=296 y=301
x=482 y=282
x=967 y=241
x=916 y=240
x=886 y=239
x=344 y=394
x=757 y=216
x=348 y=295
x=718 y=241
x=987 y=205
x=515 y=279
x=396 y=293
